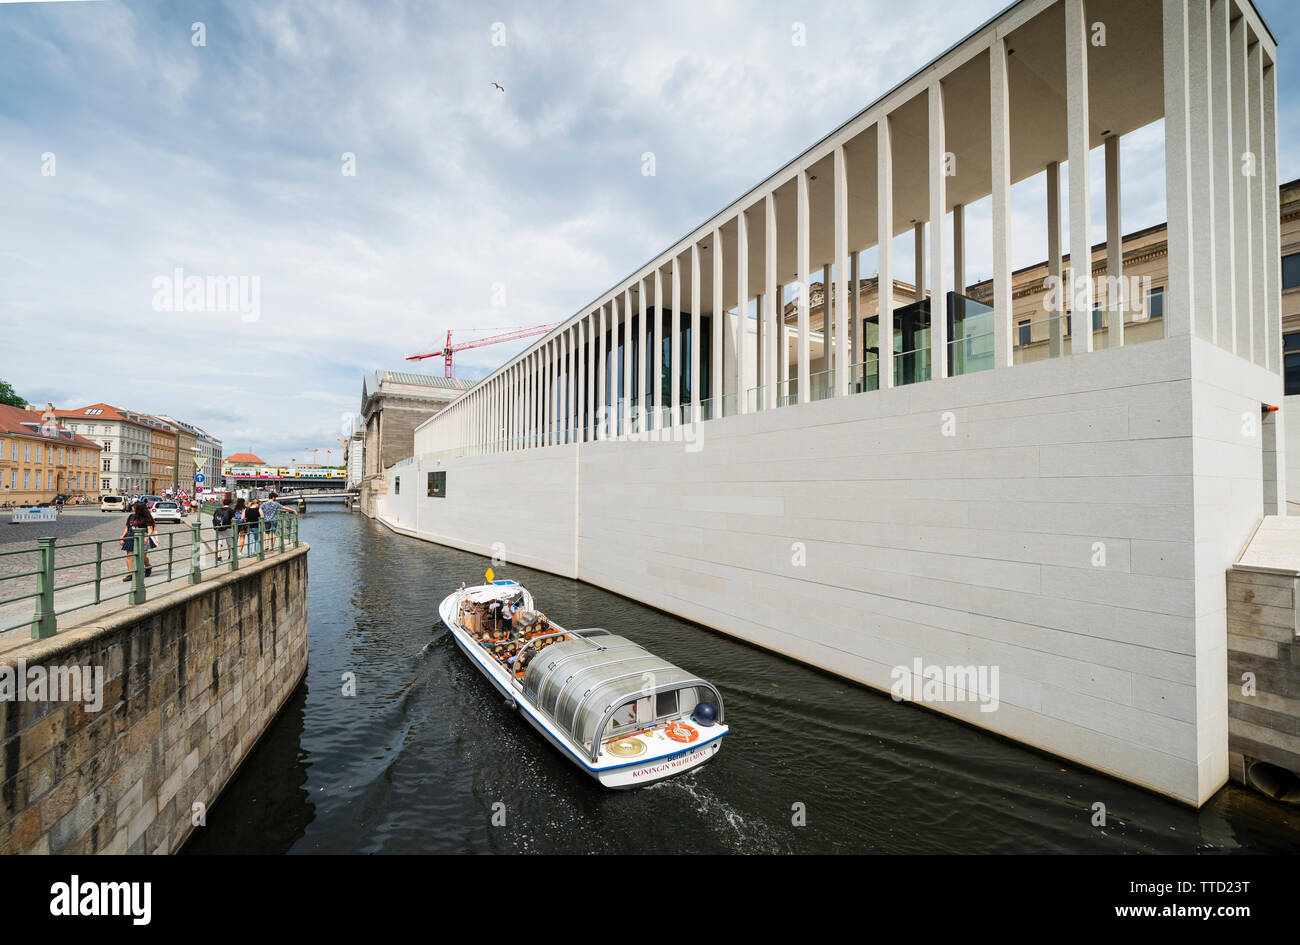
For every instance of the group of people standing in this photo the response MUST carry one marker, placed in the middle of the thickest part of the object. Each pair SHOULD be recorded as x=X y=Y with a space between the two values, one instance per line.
x=243 y=517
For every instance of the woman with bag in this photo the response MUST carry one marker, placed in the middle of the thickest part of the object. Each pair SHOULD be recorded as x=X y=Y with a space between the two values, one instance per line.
x=139 y=523
x=241 y=507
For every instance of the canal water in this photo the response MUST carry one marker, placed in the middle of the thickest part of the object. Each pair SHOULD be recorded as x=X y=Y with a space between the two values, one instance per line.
x=425 y=757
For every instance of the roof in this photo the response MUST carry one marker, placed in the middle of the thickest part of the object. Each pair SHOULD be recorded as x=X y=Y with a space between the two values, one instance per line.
x=248 y=458
x=92 y=412
x=14 y=421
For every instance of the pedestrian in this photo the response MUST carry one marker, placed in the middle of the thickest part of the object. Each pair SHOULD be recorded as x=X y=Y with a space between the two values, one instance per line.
x=251 y=515
x=240 y=507
x=221 y=520
x=271 y=510
x=139 y=525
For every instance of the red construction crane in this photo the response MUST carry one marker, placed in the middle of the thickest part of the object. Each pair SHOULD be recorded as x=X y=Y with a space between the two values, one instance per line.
x=510 y=334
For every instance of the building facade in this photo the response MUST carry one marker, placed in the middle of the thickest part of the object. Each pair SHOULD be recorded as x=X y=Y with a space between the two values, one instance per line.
x=40 y=460
x=125 y=443
x=393 y=404
x=925 y=497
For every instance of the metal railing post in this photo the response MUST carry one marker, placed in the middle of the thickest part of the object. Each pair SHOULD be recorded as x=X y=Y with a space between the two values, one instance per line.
x=171 y=548
x=44 y=623
x=295 y=531
x=196 y=566
x=234 y=544
x=140 y=535
x=99 y=569
x=261 y=539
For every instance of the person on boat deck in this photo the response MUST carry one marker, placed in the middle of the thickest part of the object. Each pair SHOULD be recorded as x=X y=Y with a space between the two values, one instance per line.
x=508 y=616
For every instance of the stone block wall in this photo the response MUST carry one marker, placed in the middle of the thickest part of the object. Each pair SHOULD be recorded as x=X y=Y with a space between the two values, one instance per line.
x=190 y=681
x=1264 y=716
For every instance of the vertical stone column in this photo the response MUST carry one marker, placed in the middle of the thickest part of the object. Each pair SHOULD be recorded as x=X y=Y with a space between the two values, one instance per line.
x=658 y=319
x=1260 y=339
x=853 y=356
x=1000 y=165
x=1272 y=237
x=1076 y=107
x=775 y=323
x=695 y=332
x=1116 y=291
x=1200 y=139
x=716 y=387
x=627 y=360
x=742 y=310
x=938 y=208
x=602 y=370
x=1225 y=170
x=1054 y=299
x=675 y=344
x=885 y=253
x=837 y=352
x=1179 y=301
x=804 y=266
x=642 y=403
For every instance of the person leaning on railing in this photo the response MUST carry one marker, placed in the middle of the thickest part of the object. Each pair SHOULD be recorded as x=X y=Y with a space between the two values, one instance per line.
x=139 y=524
x=271 y=510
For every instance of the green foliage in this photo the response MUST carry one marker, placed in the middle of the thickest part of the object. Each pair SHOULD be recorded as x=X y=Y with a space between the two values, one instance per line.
x=9 y=397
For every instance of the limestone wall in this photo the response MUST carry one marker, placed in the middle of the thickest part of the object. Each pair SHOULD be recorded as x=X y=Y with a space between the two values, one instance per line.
x=190 y=681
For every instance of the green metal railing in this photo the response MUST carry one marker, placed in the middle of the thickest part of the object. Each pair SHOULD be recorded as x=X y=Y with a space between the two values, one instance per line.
x=191 y=554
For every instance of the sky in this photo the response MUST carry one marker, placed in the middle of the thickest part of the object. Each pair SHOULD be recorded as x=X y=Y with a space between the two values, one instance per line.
x=138 y=139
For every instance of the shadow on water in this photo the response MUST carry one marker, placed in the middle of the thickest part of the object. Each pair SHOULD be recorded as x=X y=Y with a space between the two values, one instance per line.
x=425 y=755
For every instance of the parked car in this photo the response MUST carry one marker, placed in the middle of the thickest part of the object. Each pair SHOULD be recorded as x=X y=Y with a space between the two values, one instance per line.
x=166 y=511
x=113 y=503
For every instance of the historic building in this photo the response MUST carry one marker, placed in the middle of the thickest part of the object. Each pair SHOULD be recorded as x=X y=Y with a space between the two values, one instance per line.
x=393 y=404
x=40 y=460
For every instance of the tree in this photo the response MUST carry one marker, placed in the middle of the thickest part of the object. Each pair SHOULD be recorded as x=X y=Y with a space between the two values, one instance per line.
x=8 y=397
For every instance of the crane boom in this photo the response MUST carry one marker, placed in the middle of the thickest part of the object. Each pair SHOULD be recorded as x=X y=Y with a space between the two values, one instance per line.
x=510 y=334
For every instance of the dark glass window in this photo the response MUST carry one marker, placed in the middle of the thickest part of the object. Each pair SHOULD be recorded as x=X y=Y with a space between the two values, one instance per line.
x=1025 y=331
x=1156 y=304
x=1291 y=271
x=438 y=484
x=1096 y=319
x=666 y=704
x=397 y=486
x=1291 y=362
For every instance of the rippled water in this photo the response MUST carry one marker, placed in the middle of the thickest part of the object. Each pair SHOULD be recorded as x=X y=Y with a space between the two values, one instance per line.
x=421 y=757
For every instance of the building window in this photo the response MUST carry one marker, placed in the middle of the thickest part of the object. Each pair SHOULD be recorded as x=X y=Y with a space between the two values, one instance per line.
x=27 y=454
x=1291 y=271
x=1096 y=319
x=27 y=480
x=108 y=465
x=60 y=455
x=1156 y=303
x=1024 y=330
x=397 y=486
x=1067 y=325
x=438 y=485
x=1291 y=362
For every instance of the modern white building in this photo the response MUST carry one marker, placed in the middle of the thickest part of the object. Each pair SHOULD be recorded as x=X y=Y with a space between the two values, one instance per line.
x=910 y=496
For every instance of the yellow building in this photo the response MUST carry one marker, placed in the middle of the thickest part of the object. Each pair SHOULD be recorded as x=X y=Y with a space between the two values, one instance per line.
x=40 y=461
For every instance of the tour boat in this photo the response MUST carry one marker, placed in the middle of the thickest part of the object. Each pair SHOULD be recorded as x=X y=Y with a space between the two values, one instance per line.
x=618 y=712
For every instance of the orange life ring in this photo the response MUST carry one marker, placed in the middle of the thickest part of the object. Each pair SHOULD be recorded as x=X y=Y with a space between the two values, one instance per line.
x=681 y=732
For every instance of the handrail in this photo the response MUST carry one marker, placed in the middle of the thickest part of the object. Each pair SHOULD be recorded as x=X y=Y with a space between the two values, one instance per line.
x=177 y=556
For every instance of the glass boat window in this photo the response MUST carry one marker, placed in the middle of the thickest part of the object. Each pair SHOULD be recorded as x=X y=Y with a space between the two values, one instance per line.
x=666 y=704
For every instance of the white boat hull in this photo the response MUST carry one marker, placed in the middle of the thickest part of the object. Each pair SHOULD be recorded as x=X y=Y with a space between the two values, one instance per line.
x=665 y=759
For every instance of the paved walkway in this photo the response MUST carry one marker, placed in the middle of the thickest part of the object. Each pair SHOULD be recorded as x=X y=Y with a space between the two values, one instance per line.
x=77 y=565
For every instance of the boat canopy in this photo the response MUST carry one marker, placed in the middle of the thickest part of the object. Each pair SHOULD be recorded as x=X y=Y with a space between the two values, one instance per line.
x=582 y=683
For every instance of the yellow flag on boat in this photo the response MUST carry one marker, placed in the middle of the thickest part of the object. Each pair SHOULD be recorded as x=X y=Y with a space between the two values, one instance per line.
x=489 y=575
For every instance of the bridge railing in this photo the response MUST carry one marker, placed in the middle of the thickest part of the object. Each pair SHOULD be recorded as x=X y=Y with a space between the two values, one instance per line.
x=51 y=580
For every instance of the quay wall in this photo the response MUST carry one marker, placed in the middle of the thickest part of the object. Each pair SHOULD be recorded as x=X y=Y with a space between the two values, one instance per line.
x=190 y=682
x=1068 y=523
